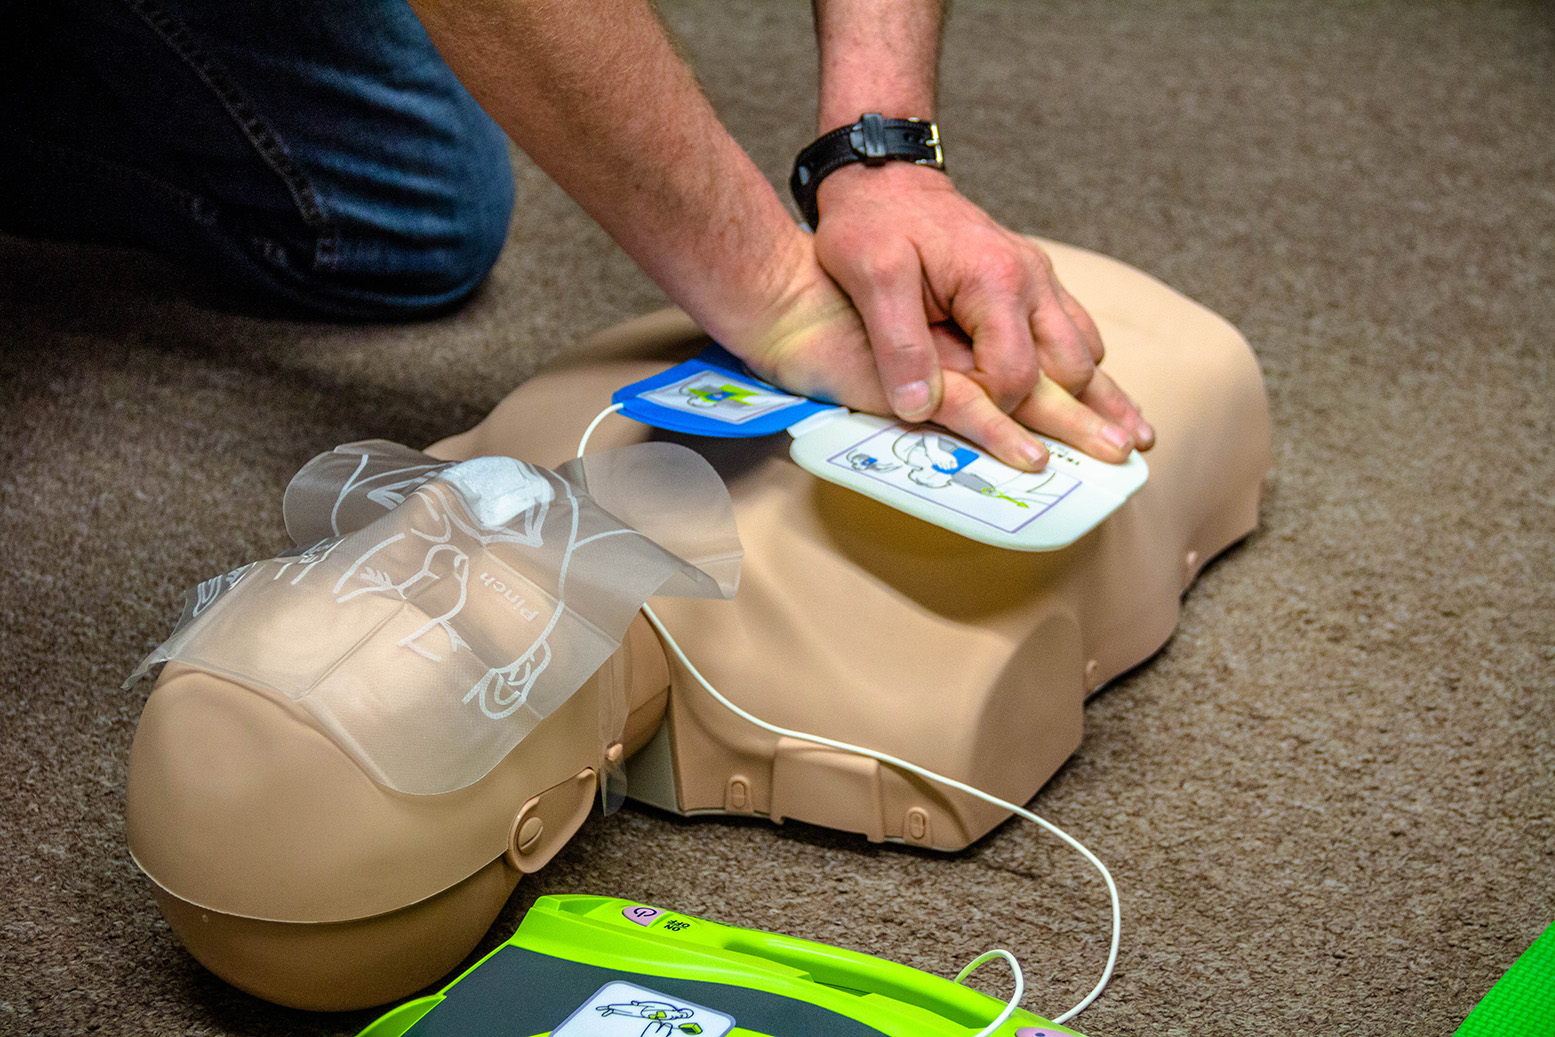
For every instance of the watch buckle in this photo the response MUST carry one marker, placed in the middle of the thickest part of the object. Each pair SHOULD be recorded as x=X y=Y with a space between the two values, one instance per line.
x=938 y=162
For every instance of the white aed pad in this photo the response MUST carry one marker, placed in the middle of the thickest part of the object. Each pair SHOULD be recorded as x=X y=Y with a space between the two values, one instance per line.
x=941 y=478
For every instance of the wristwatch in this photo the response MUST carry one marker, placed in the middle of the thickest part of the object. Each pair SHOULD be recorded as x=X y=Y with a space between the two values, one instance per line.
x=874 y=140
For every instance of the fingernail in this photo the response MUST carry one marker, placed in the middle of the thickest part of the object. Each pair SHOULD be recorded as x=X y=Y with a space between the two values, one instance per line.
x=1146 y=432
x=910 y=400
x=1034 y=454
x=1116 y=437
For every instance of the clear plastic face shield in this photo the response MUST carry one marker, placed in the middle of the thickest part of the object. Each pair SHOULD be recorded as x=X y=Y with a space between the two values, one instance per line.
x=435 y=613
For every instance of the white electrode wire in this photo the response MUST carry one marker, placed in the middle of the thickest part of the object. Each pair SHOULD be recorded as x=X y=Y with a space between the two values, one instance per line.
x=1014 y=1001
x=922 y=772
x=940 y=779
x=601 y=416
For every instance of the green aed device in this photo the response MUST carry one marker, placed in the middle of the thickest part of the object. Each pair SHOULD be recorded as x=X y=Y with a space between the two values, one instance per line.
x=585 y=966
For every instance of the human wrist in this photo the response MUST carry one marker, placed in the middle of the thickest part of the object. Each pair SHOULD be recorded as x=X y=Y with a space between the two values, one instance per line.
x=875 y=141
x=859 y=182
x=737 y=301
x=890 y=176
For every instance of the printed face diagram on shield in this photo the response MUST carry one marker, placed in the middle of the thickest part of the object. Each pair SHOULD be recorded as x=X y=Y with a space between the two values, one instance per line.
x=428 y=560
x=442 y=611
x=446 y=543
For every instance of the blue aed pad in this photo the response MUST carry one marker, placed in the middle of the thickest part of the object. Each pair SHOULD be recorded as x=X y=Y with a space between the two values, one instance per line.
x=584 y=966
x=922 y=470
x=714 y=394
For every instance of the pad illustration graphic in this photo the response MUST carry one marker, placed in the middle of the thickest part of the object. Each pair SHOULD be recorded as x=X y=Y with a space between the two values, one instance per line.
x=940 y=468
x=621 y=1009
x=721 y=396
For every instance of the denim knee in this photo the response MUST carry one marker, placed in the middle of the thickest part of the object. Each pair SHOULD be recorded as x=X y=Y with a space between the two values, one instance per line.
x=315 y=156
x=482 y=218
x=417 y=239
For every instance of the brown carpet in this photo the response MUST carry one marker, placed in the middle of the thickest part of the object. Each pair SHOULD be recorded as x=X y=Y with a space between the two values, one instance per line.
x=1329 y=803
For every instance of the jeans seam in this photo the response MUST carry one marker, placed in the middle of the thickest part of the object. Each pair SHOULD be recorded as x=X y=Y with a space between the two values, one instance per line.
x=262 y=137
x=88 y=162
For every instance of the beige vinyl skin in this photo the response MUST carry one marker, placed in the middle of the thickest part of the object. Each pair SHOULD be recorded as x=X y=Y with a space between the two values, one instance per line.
x=289 y=872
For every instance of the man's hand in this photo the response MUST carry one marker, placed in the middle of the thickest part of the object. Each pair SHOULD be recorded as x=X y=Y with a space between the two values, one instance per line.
x=949 y=297
x=812 y=340
x=967 y=323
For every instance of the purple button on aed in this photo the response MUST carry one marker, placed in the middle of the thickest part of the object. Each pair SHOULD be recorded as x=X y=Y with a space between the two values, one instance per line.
x=643 y=916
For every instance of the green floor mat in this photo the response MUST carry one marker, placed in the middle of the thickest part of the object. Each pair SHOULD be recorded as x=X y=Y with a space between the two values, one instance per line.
x=1522 y=1003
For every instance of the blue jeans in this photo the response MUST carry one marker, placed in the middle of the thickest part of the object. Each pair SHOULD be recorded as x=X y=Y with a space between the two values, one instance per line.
x=316 y=154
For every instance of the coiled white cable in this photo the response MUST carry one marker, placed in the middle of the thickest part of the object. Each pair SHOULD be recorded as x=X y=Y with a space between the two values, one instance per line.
x=1014 y=1001
x=922 y=772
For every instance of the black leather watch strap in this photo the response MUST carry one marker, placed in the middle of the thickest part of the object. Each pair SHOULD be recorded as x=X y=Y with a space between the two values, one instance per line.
x=873 y=140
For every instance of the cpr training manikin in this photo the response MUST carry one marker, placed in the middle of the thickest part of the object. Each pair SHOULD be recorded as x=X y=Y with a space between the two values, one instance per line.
x=355 y=750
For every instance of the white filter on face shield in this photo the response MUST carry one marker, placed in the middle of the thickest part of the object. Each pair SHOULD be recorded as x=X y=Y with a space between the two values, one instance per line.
x=430 y=640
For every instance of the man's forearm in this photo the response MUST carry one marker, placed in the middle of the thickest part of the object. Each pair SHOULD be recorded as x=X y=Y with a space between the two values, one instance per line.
x=877 y=56
x=594 y=92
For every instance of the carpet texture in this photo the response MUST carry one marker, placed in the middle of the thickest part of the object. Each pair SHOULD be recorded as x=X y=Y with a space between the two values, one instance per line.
x=1329 y=802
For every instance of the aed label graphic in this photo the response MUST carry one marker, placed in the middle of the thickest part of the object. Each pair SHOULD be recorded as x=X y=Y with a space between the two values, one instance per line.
x=621 y=1009
x=936 y=467
x=721 y=397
